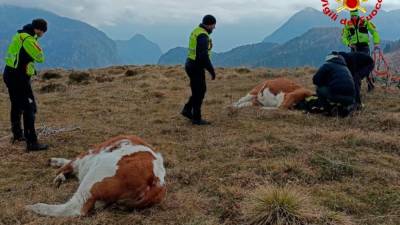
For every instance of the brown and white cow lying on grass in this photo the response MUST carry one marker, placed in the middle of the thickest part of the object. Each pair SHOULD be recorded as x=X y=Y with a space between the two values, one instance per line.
x=121 y=170
x=275 y=93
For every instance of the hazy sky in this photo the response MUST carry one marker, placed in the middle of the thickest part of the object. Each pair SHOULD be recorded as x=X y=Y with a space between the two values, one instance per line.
x=168 y=22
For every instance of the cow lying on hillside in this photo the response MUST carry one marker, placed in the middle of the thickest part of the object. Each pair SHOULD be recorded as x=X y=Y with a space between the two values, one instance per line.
x=123 y=169
x=275 y=93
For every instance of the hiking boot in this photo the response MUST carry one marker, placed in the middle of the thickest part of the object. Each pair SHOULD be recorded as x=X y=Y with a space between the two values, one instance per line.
x=33 y=147
x=200 y=122
x=187 y=114
x=17 y=139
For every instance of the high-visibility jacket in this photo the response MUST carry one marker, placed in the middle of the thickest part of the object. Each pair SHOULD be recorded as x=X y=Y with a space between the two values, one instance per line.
x=193 y=42
x=357 y=34
x=30 y=44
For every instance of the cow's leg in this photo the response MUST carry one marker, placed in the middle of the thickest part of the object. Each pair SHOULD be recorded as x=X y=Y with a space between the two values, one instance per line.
x=63 y=172
x=153 y=195
x=244 y=102
x=291 y=99
x=88 y=206
x=79 y=205
x=58 y=162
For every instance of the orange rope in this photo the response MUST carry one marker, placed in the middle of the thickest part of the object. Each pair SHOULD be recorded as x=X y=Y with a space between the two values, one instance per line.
x=384 y=73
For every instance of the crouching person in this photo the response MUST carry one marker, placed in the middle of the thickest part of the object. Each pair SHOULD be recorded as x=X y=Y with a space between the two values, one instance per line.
x=335 y=87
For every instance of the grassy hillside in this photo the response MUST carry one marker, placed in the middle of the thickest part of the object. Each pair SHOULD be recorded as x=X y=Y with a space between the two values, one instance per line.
x=307 y=168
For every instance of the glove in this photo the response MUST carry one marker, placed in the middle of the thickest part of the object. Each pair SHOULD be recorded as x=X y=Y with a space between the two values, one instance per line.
x=213 y=76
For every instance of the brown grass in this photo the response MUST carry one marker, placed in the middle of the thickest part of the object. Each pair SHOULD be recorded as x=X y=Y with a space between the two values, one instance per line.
x=349 y=167
x=77 y=77
x=280 y=206
x=287 y=205
x=51 y=74
x=52 y=87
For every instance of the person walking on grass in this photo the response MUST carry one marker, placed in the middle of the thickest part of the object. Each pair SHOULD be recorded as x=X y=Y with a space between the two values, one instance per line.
x=199 y=60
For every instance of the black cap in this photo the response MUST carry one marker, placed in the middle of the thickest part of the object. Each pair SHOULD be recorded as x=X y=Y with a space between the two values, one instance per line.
x=39 y=24
x=209 y=20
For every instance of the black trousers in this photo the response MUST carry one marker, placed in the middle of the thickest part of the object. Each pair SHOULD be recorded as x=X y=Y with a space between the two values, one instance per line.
x=345 y=104
x=325 y=93
x=366 y=50
x=198 y=86
x=22 y=104
x=358 y=77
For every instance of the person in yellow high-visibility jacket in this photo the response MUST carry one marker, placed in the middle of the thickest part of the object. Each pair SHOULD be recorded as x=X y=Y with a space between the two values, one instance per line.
x=23 y=51
x=356 y=34
x=199 y=60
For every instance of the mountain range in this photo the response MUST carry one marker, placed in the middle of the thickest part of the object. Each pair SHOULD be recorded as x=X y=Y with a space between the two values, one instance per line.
x=71 y=43
x=309 y=18
x=307 y=49
x=68 y=43
x=304 y=39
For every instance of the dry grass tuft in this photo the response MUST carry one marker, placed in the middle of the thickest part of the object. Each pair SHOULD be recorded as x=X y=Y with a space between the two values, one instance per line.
x=103 y=79
x=278 y=206
x=116 y=70
x=79 y=77
x=51 y=75
x=50 y=88
x=243 y=70
x=131 y=73
x=288 y=206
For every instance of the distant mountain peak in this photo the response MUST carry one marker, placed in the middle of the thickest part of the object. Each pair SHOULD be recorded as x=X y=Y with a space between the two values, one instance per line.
x=299 y=23
x=138 y=50
x=138 y=36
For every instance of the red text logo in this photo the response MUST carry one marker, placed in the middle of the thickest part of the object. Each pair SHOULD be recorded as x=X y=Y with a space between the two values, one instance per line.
x=349 y=5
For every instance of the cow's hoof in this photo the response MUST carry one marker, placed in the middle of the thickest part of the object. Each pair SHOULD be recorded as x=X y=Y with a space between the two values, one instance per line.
x=60 y=178
x=53 y=162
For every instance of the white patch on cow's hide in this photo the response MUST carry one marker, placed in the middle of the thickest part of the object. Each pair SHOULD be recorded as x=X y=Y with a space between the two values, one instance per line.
x=159 y=169
x=269 y=100
x=246 y=101
x=59 y=162
x=94 y=168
